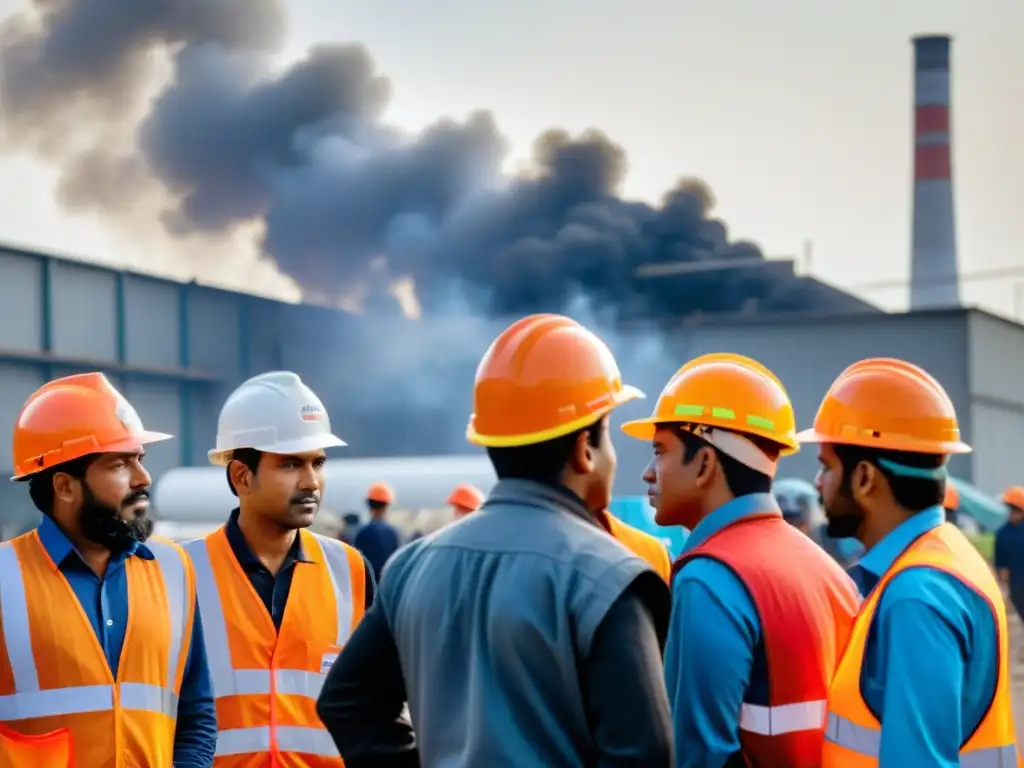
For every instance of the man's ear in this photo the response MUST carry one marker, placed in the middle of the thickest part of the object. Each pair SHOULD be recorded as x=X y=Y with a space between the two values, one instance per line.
x=864 y=480
x=582 y=459
x=241 y=477
x=66 y=488
x=706 y=462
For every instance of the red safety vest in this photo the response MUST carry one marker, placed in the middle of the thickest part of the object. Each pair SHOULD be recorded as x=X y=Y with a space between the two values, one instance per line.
x=807 y=606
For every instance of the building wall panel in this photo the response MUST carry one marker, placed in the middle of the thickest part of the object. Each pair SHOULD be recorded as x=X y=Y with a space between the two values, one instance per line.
x=997 y=462
x=159 y=405
x=807 y=357
x=152 y=329
x=262 y=349
x=997 y=359
x=21 y=296
x=17 y=382
x=203 y=407
x=84 y=312
x=213 y=331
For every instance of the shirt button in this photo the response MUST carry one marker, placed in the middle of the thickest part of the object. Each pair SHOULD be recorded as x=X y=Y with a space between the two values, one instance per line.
x=110 y=622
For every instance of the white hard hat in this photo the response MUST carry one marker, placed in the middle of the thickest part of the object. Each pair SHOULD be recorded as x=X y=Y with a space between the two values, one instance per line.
x=273 y=412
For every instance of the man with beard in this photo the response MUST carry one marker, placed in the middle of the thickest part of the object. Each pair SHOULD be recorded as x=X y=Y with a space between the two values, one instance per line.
x=924 y=679
x=760 y=613
x=523 y=635
x=100 y=627
x=278 y=602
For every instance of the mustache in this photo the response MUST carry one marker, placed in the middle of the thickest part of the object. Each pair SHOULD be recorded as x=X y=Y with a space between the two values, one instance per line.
x=135 y=498
x=305 y=498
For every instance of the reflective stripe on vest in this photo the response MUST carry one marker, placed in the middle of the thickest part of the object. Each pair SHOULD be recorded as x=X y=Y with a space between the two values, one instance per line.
x=30 y=702
x=853 y=735
x=228 y=681
x=784 y=718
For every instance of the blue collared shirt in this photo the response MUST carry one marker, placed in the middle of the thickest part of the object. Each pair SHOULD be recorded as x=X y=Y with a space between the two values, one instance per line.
x=931 y=660
x=714 y=640
x=105 y=603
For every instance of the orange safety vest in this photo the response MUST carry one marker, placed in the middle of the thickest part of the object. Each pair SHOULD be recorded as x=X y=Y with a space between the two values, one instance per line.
x=853 y=733
x=48 y=750
x=53 y=671
x=266 y=681
x=641 y=544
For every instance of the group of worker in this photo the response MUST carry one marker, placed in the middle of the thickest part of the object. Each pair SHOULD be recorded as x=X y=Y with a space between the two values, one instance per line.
x=539 y=630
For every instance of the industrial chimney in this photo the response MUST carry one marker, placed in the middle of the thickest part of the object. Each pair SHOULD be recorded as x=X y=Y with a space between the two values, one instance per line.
x=934 y=277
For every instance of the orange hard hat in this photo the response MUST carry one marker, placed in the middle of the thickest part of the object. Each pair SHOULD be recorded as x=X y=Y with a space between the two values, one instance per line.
x=381 y=493
x=73 y=417
x=1014 y=497
x=544 y=377
x=890 y=405
x=727 y=391
x=951 y=500
x=466 y=496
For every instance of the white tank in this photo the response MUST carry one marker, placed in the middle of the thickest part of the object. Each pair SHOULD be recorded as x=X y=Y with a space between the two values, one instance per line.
x=198 y=498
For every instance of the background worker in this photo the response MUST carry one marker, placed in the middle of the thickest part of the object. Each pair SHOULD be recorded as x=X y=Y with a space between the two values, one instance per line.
x=277 y=600
x=924 y=679
x=526 y=634
x=88 y=602
x=378 y=539
x=1009 y=548
x=801 y=507
x=759 y=611
x=464 y=499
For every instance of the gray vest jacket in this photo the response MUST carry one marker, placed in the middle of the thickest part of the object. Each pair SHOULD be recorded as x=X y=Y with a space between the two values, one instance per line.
x=490 y=616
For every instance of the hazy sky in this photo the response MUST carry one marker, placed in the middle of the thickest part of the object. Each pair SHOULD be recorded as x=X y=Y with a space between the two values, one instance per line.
x=796 y=112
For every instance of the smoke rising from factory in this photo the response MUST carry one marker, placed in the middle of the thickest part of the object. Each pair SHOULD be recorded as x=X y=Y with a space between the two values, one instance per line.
x=344 y=200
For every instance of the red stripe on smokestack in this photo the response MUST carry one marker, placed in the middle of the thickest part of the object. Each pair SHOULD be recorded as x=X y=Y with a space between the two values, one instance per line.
x=932 y=163
x=931 y=118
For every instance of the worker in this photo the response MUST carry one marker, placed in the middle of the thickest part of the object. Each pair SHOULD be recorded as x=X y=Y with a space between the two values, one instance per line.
x=924 y=679
x=278 y=601
x=951 y=502
x=101 y=635
x=642 y=544
x=378 y=539
x=801 y=507
x=1009 y=548
x=464 y=499
x=759 y=611
x=524 y=634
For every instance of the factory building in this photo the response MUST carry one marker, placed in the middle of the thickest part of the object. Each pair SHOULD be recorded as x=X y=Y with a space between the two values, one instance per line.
x=176 y=350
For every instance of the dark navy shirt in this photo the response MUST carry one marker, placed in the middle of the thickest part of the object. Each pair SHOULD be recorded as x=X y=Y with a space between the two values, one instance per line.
x=1009 y=552
x=273 y=589
x=105 y=603
x=377 y=541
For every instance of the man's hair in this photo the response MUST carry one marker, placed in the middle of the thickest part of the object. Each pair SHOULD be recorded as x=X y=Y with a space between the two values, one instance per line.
x=741 y=479
x=912 y=493
x=542 y=462
x=40 y=485
x=248 y=456
x=376 y=506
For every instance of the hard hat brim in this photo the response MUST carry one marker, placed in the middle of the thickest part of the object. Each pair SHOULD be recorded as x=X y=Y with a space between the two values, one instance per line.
x=909 y=444
x=222 y=458
x=626 y=394
x=126 y=445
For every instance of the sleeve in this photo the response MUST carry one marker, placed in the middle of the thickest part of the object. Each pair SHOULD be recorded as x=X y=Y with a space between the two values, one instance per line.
x=922 y=635
x=709 y=657
x=363 y=697
x=624 y=665
x=195 y=735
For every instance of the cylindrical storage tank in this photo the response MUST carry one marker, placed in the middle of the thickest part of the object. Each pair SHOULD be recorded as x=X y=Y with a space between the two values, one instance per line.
x=201 y=494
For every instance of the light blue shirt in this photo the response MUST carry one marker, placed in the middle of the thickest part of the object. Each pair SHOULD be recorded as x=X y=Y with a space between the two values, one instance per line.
x=713 y=639
x=931 y=661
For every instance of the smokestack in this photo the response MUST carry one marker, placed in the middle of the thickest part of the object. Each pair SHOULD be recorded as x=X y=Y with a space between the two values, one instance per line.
x=934 y=278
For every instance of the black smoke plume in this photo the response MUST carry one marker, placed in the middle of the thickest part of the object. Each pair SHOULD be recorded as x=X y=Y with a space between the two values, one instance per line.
x=343 y=197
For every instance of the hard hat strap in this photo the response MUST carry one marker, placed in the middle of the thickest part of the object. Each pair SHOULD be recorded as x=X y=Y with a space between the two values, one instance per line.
x=738 y=447
x=920 y=473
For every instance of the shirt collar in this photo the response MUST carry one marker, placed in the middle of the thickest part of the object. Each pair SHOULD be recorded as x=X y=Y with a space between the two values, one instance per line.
x=516 y=491
x=729 y=513
x=59 y=547
x=243 y=552
x=880 y=557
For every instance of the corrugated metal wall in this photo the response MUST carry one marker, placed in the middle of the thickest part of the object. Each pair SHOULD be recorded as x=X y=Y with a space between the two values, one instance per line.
x=996 y=370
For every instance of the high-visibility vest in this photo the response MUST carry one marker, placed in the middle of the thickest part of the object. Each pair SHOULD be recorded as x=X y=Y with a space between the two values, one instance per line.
x=47 y=750
x=54 y=673
x=807 y=605
x=640 y=543
x=266 y=681
x=853 y=735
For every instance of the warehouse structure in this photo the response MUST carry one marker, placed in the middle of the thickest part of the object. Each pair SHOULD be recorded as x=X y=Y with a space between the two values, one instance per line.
x=176 y=350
